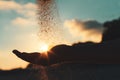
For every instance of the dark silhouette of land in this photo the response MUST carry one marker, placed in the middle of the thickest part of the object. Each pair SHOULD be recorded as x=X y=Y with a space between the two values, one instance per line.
x=65 y=72
x=19 y=74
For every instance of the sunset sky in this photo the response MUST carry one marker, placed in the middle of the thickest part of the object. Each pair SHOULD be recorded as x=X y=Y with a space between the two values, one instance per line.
x=18 y=25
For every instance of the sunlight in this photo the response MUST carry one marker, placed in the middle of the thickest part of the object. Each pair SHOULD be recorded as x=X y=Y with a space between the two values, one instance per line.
x=43 y=47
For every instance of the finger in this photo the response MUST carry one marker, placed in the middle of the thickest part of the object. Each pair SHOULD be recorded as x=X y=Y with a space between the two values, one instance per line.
x=35 y=57
x=16 y=51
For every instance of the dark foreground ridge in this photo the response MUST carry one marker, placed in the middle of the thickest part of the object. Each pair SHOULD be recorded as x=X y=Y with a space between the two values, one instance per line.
x=70 y=71
x=19 y=74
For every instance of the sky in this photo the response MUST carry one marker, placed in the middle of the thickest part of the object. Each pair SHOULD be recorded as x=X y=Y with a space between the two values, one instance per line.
x=19 y=28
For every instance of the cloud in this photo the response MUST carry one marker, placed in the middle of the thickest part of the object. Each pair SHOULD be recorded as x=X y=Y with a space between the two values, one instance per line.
x=89 y=30
x=27 y=12
x=30 y=6
x=23 y=22
x=9 y=5
x=12 y=5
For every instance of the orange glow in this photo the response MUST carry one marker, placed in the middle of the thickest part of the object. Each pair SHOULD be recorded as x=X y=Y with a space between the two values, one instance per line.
x=43 y=48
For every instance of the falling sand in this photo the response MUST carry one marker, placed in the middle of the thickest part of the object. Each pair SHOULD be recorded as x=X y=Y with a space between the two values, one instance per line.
x=51 y=30
x=50 y=27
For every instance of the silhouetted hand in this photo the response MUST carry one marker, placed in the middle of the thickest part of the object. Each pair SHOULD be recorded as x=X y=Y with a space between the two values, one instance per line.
x=35 y=57
x=84 y=53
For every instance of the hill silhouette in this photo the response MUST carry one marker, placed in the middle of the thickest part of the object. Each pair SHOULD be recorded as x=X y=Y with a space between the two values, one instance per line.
x=20 y=74
x=66 y=71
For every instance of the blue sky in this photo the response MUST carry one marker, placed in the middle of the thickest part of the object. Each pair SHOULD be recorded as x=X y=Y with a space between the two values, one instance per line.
x=101 y=10
x=13 y=34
